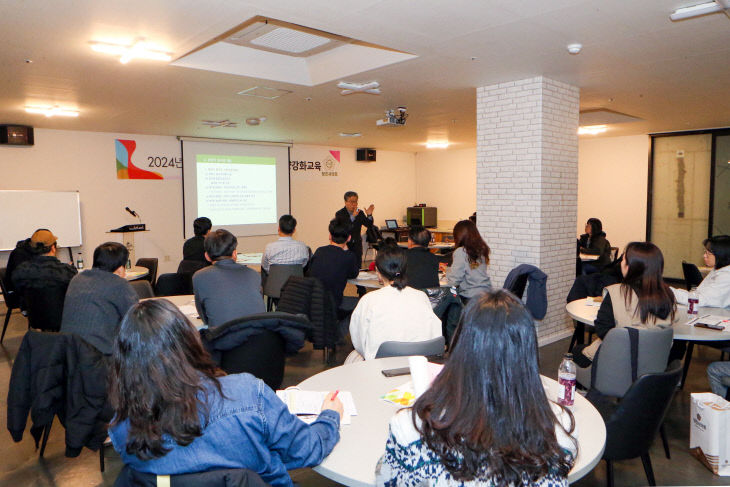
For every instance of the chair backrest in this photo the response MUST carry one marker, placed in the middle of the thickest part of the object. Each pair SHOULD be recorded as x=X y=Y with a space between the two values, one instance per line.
x=9 y=299
x=262 y=356
x=434 y=346
x=187 y=268
x=612 y=366
x=150 y=263
x=129 y=477
x=518 y=286
x=172 y=284
x=142 y=288
x=634 y=424
x=45 y=307
x=278 y=275
x=614 y=253
x=692 y=275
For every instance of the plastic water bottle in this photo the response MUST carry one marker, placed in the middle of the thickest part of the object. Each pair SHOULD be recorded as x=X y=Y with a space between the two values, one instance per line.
x=566 y=379
x=80 y=262
x=693 y=302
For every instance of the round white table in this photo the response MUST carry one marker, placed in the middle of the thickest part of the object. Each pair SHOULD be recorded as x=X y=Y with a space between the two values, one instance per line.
x=353 y=460
x=580 y=311
x=136 y=272
x=186 y=304
x=584 y=313
x=369 y=279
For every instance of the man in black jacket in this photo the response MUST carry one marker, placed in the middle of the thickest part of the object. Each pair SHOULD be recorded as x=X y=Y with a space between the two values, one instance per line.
x=354 y=219
x=333 y=264
x=422 y=267
x=44 y=270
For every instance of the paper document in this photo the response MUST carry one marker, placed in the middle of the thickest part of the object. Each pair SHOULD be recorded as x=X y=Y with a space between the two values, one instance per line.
x=713 y=321
x=366 y=275
x=188 y=310
x=310 y=402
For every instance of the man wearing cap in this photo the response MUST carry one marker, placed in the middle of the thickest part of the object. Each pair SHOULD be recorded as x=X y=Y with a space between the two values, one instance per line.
x=44 y=270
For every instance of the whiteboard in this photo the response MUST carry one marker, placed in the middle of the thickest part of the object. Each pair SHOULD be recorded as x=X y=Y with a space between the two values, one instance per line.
x=24 y=212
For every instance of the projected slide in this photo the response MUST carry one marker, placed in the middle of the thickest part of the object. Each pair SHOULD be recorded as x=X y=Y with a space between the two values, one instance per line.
x=237 y=190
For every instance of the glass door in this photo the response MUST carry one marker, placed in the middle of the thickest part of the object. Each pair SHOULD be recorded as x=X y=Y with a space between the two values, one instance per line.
x=720 y=215
x=680 y=202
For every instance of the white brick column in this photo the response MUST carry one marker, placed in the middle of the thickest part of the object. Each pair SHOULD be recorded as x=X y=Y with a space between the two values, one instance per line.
x=527 y=185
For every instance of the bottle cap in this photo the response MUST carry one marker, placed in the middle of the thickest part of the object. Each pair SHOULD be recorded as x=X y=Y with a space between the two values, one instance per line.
x=568 y=356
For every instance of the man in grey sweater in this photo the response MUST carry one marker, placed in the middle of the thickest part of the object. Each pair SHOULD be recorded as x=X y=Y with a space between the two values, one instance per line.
x=226 y=290
x=98 y=299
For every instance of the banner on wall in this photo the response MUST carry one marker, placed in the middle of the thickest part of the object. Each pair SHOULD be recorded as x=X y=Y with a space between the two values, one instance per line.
x=326 y=166
x=134 y=162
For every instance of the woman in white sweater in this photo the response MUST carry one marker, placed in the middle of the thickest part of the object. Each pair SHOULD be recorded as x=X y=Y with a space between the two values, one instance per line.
x=395 y=312
x=714 y=290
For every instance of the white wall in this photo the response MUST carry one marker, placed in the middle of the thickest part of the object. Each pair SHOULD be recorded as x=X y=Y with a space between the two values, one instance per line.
x=446 y=179
x=387 y=183
x=85 y=161
x=612 y=185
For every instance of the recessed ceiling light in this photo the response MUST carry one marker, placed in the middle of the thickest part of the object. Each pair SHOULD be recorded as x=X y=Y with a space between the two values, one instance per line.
x=289 y=40
x=220 y=123
x=264 y=92
x=254 y=121
x=350 y=134
x=592 y=129
x=52 y=111
x=437 y=145
x=574 y=48
x=138 y=50
x=700 y=9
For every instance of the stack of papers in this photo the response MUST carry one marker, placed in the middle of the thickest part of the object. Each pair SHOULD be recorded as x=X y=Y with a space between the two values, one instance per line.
x=309 y=403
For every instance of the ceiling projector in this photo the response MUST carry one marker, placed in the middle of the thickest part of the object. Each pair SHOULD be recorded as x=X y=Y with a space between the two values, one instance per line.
x=393 y=118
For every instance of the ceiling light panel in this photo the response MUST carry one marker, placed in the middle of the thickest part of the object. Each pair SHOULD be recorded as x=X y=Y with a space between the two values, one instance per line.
x=289 y=40
x=264 y=92
x=49 y=111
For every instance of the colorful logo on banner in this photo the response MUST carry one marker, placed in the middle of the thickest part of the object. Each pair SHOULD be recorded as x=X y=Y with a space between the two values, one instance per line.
x=327 y=167
x=125 y=168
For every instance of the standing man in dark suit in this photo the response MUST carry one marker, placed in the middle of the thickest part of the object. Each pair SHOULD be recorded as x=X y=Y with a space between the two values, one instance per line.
x=355 y=219
x=422 y=268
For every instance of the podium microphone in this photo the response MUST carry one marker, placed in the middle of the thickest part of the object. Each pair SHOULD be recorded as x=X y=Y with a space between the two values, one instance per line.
x=131 y=212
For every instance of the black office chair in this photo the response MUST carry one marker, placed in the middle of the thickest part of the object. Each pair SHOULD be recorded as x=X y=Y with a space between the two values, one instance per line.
x=45 y=307
x=261 y=356
x=277 y=276
x=143 y=289
x=518 y=287
x=150 y=263
x=10 y=299
x=257 y=344
x=427 y=348
x=187 y=268
x=171 y=284
x=129 y=477
x=632 y=425
x=692 y=275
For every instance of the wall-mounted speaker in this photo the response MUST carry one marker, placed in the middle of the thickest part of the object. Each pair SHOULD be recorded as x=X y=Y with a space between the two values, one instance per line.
x=367 y=155
x=16 y=134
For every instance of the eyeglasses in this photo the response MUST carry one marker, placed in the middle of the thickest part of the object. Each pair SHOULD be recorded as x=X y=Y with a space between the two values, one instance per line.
x=708 y=252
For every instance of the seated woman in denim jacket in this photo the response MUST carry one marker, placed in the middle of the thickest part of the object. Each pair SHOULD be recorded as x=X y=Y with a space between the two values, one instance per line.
x=176 y=413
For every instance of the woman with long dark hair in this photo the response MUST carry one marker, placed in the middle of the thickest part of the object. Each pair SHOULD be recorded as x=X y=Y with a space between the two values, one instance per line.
x=468 y=271
x=395 y=312
x=175 y=412
x=714 y=290
x=641 y=300
x=485 y=419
